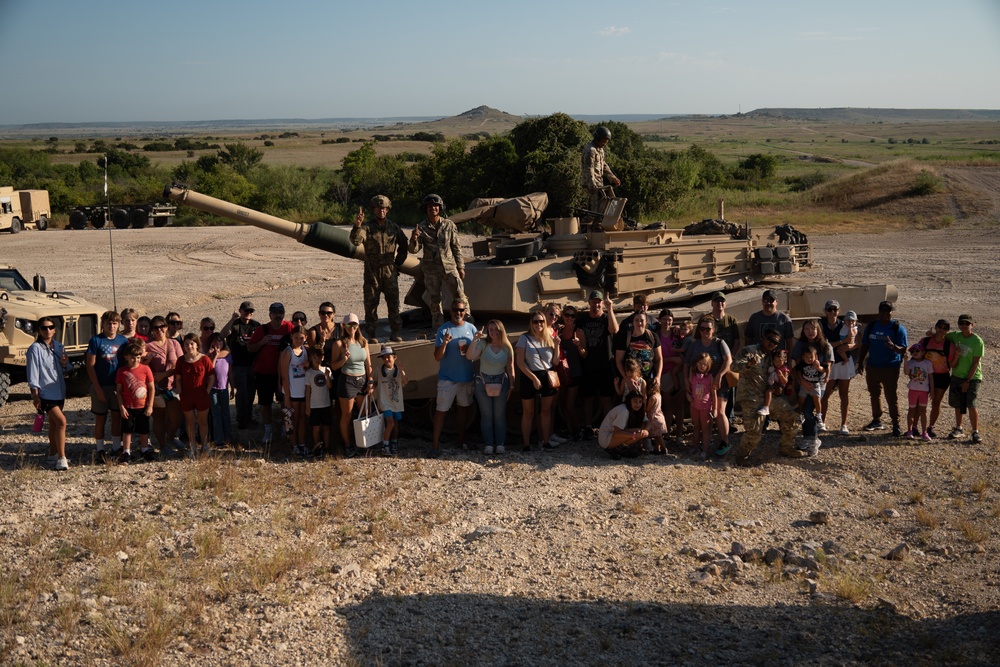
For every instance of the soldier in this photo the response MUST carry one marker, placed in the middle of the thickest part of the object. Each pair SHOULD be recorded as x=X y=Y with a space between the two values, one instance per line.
x=442 y=260
x=752 y=364
x=385 y=251
x=594 y=168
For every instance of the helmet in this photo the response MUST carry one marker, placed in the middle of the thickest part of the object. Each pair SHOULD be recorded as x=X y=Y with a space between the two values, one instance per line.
x=379 y=201
x=602 y=133
x=432 y=199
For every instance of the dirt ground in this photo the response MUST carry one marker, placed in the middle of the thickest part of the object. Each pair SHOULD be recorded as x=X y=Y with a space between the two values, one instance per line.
x=554 y=558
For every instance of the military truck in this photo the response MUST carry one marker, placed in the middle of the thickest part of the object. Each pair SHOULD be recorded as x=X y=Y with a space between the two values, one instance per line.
x=22 y=304
x=122 y=216
x=24 y=209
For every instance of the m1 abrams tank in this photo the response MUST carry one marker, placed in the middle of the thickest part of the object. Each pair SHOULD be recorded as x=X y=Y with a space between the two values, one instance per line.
x=528 y=262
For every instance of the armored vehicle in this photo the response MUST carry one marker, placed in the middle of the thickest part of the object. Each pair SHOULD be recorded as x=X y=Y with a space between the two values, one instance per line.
x=529 y=262
x=22 y=304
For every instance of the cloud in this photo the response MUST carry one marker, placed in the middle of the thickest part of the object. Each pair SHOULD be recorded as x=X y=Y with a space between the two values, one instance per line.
x=612 y=31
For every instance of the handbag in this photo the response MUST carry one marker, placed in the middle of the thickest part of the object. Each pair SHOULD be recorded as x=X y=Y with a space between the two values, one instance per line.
x=553 y=379
x=492 y=389
x=369 y=425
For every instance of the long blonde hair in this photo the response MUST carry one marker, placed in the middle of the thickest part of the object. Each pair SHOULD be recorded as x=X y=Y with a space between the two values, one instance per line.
x=546 y=335
x=504 y=341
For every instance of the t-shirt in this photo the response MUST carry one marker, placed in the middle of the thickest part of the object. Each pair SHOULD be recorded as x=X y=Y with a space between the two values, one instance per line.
x=266 y=362
x=162 y=357
x=941 y=354
x=598 y=341
x=193 y=374
x=221 y=373
x=389 y=385
x=759 y=323
x=727 y=329
x=716 y=349
x=616 y=417
x=968 y=349
x=105 y=351
x=919 y=373
x=134 y=382
x=875 y=335
x=641 y=348
x=238 y=339
x=319 y=388
x=701 y=391
x=537 y=355
x=454 y=367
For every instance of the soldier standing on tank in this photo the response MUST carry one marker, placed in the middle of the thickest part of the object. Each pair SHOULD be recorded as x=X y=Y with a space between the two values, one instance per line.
x=751 y=364
x=442 y=261
x=385 y=251
x=595 y=169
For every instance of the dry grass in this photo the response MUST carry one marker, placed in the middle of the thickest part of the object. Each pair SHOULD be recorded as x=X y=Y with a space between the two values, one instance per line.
x=926 y=518
x=852 y=587
x=973 y=532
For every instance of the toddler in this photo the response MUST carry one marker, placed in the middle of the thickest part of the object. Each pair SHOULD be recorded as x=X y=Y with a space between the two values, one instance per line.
x=920 y=371
x=811 y=377
x=777 y=379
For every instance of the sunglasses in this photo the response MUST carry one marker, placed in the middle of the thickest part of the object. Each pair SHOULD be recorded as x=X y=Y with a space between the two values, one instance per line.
x=47 y=327
x=176 y=323
x=569 y=314
x=458 y=310
x=351 y=324
x=208 y=328
x=832 y=310
x=160 y=326
x=327 y=312
x=704 y=328
x=538 y=321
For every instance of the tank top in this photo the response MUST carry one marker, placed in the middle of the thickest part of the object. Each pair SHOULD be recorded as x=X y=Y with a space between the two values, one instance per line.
x=356 y=364
x=297 y=373
x=493 y=363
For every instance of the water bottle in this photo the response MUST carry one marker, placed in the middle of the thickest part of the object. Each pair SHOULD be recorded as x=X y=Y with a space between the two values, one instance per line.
x=39 y=422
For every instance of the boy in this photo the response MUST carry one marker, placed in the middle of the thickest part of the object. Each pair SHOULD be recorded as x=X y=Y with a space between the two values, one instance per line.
x=389 y=381
x=135 y=402
x=102 y=367
x=318 y=410
x=966 y=375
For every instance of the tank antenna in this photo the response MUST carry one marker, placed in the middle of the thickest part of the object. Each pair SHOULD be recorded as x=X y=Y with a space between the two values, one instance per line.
x=111 y=244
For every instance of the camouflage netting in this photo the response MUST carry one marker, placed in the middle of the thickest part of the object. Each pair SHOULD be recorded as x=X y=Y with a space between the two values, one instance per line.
x=710 y=226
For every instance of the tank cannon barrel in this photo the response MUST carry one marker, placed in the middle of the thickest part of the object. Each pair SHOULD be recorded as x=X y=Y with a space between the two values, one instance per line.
x=319 y=235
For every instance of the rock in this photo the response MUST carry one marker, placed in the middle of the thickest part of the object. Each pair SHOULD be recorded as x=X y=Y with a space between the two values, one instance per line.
x=700 y=577
x=349 y=569
x=121 y=556
x=832 y=547
x=900 y=552
x=240 y=507
x=747 y=523
x=754 y=555
x=773 y=554
x=819 y=517
x=483 y=531
x=20 y=640
x=813 y=586
x=889 y=513
x=738 y=549
x=618 y=490
x=712 y=569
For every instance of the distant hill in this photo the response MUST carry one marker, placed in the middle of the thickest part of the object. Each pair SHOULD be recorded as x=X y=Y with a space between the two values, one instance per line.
x=868 y=115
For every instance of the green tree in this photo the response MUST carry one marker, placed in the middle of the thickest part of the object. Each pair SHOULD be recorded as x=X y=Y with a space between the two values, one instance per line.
x=240 y=157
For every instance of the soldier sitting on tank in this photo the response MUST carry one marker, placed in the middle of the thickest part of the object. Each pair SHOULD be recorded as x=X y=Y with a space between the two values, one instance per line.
x=385 y=251
x=751 y=364
x=442 y=260
x=594 y=168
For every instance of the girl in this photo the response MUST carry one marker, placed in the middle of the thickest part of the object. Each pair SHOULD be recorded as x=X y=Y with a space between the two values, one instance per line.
x=536 y=353
x=920 y=371
x=318 y=407
x=493 y=383
x=777 y=379
x=702 y=396
x=196 y=375
x=573 y=350
x=46 y=362
x=706 y=342
x=222 y=423
x=843 y=371
x=654 y=417
x=350 y=357
x=389 y=381
x=632 y=380
x=292 y=378
x=622 y=429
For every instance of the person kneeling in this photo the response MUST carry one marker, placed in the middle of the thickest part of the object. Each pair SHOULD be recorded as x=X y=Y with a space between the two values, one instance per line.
x=621 y=433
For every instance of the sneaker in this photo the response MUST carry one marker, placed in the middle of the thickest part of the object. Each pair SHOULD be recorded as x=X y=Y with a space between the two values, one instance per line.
x=896 y=432
x=723 y=449
x=820 y=426
x=526 y=447
x=873 y=425
x=268 y=435
x=976 y=438
x=813 y=447
x=300 y=451
x=956 y=433
x=487 y=450
x=434 y=453
x=802 y=419
x=100 y=456
x=123 y=458
x=931 y=432
x=549 y=445
x=501 y=449
x=386 y=451
x=150 y=454
x=393 y=447
x=925 y=437
x=558 y=440
x=844 y=430
x=62 y=463
x=764 y=411
x=910 y=435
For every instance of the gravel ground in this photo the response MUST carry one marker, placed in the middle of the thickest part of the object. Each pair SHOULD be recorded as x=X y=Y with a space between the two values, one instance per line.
x=538 y=558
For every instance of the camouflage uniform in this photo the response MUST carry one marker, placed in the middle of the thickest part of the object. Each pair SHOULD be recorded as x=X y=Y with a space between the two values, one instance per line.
x=594 y=168
x=385 y=251
x=440 y=263
x=751 y=364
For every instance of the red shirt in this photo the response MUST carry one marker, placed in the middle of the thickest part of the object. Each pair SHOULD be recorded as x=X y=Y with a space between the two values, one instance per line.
x=134 y=383
x=194 y=374
x=266 y=361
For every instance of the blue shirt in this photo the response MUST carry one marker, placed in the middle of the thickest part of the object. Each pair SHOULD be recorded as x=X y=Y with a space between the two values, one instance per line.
x=44 y=371
x=874 y=336
x=105 y=351
x=454 y=366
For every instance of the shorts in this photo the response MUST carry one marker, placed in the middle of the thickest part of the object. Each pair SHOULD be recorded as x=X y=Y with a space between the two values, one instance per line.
x=941 y=380
x=110 y=403
x=298 y=399
x=918 y=398
x=351 y=386
x=47 y=405
x=320 y=416
x=527 y=389
x=448 y=392
x=267 y=388
x=137 y=422
x=810 y=389
x=395 y=416
x=195 y=399
x=962 y=400
x=667 y=383
x=843 y=370
x=597 y=384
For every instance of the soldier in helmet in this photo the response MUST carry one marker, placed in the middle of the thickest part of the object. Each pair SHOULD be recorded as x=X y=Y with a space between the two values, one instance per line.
x=442 y=261
x=594 y=168
x=385 y=251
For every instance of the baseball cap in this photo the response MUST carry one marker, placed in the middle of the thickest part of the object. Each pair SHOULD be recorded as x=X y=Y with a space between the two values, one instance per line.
x=966 y=318
x=772 y=335
x=768 y=295
x=916 y=347
x=277 y=307
x=832 y=303
x=886 y=305
x=247 y=305
x=351 y=318
x=718 y=296
x=851 y=316
x=386 y=351
x=596 y=294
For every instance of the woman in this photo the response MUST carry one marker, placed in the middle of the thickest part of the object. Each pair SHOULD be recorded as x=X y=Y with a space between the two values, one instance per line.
x=812 y=336
x=207 y=329
x=553 y=318
x=536 y=354
x=350 y=357
x=842 y=371
x=493 y=383
x=162 y=353
x=671 y=382
x=942 y=354
x=292 y=377
x=573 y=350
x=638 y=343
x=704 y=341
x=621 y=433
x=46 y=362
x=327 y=332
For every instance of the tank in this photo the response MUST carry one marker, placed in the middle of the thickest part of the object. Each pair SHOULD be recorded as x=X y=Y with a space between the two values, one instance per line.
x=527 y=262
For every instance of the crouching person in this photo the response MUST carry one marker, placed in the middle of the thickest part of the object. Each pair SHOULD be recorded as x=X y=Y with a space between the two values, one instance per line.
x=622 y=431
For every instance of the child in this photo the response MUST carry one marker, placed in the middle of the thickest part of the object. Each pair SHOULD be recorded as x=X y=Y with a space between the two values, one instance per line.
x=632 y=381
x=222 y=421
x=777 y=379
x=196 y=375
x=389 y=381
x=292 y=380
x=920 y=371
x=654 y=417
x=135 y=401
x=318 y=410
x=811 y=377
x=703 y=399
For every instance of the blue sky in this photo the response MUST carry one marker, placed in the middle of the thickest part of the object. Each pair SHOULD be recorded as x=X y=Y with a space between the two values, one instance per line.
x=112 y=60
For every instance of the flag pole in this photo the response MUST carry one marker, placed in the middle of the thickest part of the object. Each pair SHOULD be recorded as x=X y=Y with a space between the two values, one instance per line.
x=111 y=244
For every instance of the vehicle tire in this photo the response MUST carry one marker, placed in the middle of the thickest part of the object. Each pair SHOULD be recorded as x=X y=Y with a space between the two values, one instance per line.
x=15 y=225
x=119 y=218
x=78 y=384
x=43 y=223
x=4 y=386
x=78 y=220
x=98 y=219
x=139 y=218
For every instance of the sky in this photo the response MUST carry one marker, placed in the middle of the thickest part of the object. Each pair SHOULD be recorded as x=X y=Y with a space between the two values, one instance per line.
x=120 y=61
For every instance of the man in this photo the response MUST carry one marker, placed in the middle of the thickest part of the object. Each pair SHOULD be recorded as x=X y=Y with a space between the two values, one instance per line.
x=640 y=304
x=238 y=332
x=600 y=326
x=455 y=373
x=442 y=260
x=385 y=251
x=769 y=318
x=102 y=367
x=265 y=342
x=966 y=376
x=751 y=364
x=727 y=329
x=594 y=169
x=883 y=344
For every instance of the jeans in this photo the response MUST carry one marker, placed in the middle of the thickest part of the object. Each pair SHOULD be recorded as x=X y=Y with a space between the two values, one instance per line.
x=243 y=378
x=222 y=424
x=493 y=411
x=809 y=425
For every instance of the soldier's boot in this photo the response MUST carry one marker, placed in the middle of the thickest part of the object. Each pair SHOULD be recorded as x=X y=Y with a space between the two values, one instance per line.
x=791 y=452
x=371 y=335
x=395 y=337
